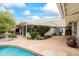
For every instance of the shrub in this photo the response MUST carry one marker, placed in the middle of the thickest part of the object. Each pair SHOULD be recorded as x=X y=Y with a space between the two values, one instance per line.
x=12 y=35
x=2 y=36
x=33 y=35
x=46 y=37
x=42 y=30
x=9 y=36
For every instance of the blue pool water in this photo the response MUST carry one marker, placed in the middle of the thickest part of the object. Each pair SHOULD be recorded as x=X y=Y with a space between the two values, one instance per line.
x=15 y=51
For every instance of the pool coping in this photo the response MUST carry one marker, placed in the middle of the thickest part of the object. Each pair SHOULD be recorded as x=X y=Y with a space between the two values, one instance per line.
x=37 y=54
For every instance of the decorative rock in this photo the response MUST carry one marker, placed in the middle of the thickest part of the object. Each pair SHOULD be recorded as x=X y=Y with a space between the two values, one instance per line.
x=38 y=37
x=28 y=36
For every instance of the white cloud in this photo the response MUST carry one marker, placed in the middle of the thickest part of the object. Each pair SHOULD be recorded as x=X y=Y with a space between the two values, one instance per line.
x=26 y=12
x=2 y=8
x=14 y=4
x=51 y=7
x=1 y=4
x=35 y=18
x=11 y=11
x=43 y=18
x=19 y=4
x=28 y=1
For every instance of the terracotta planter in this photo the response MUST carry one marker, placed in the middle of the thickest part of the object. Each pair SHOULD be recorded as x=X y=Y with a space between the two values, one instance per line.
x=71 y=41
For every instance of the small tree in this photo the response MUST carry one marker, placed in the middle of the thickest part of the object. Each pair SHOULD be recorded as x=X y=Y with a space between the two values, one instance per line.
x=2 y=28
x=7 y=22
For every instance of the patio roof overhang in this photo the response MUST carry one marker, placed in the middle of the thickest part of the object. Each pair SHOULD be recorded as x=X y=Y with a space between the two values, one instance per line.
x=22 y=24
x=51 y=23
x=69 y=11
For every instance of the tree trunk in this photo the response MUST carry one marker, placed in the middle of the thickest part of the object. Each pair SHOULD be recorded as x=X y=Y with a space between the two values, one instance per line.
x=6 y=34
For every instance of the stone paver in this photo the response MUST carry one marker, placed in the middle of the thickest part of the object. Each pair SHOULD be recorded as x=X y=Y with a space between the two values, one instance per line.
x=54 y=46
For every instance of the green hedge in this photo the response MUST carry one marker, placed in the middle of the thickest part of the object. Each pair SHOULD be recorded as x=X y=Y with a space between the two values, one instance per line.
x=12 y=36
x=43 y=29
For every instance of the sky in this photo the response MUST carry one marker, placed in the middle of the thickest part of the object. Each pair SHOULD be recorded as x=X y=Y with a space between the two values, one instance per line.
x=31 y=11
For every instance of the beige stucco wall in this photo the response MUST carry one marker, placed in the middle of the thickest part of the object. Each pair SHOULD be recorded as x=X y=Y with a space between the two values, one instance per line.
x=78 y=29
x=71 y=18
x=71 y=8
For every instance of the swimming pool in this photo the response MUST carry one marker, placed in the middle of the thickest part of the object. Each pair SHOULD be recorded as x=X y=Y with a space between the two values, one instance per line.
x=15 y=51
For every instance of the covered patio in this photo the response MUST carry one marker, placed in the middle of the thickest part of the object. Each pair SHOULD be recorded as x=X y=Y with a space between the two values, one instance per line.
x=21 y=29
x=57 y=24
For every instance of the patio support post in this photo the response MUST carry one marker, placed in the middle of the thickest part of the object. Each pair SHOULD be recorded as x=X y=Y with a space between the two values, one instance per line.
x=78 y=29
x=20 y=30
x=63 y=31
x=73 y=29
x=26 y=30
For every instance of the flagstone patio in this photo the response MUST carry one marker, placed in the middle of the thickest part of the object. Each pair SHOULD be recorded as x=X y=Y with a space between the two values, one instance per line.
x=54 y=46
